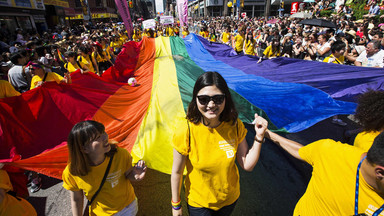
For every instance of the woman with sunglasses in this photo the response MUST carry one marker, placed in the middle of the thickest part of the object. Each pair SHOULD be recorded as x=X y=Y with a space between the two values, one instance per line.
x=40 y=75
x=208 y=142
x=90 y=152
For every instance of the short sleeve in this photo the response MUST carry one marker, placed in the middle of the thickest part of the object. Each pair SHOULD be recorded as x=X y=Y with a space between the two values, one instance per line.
x=241 y=131
x=180 y=141
x=57 y=77
x=313 y=151
x=69 y=182
x=360 y=58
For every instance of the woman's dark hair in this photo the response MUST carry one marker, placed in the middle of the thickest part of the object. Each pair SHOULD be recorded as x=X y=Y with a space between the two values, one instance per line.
x=212 y=79
x=246 y=37
x=370 y=110
x=40 y=50
x=82 y=134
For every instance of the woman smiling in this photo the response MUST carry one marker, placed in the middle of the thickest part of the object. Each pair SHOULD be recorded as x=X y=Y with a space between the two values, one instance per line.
x=208 y=142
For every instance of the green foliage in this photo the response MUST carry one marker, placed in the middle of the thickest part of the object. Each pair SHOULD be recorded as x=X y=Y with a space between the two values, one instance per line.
x=358 y=8
x=326 y=13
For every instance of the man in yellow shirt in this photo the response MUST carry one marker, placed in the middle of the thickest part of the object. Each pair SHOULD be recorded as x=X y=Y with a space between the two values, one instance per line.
x=41 y=76
x=239 y=41
x=345 y=180
x=370 y=114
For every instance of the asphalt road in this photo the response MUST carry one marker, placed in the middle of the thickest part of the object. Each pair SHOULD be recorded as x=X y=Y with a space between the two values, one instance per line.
x=272 y=188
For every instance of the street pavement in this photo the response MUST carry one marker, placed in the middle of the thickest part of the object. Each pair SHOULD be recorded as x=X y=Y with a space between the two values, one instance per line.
x=272 y=188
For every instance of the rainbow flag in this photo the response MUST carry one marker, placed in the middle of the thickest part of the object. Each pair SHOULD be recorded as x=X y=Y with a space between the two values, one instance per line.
x=291 y=94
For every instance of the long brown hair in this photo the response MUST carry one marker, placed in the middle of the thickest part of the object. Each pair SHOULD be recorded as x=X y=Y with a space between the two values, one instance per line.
x=82 y=134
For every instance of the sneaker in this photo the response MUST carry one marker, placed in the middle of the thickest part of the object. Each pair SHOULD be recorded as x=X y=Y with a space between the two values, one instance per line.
x=35 y=185
x=339 y=122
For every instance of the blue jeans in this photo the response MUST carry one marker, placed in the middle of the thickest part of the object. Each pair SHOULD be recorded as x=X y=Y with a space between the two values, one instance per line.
x=225 y=211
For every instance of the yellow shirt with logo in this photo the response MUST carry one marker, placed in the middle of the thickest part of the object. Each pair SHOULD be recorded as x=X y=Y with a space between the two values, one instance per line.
x=51 y=76
x=226 y=37
x=87 y=62
x=170 y=31
x=7 y=90
x=364 y=140
x=10 y=205
x=117 y=191
x=250 y=47
x=269 y=52
x=331 y=190
x=239 y=43
x=212 y=179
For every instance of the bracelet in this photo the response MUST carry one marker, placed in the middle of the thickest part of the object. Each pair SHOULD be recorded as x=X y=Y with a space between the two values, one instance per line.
x=176 y=205
x=260 y=141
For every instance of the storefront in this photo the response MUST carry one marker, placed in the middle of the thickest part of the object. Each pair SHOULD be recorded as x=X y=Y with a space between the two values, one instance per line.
x=25 y=14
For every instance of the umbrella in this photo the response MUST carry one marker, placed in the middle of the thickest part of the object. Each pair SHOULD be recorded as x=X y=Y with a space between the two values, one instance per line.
x=301 y=15
x=318 y=22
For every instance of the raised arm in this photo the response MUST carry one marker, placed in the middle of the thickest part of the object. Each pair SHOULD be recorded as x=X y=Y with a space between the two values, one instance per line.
x=290 y=146
x=247 y=158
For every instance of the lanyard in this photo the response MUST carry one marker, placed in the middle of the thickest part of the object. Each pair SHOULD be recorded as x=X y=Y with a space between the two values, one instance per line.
x=378 y=211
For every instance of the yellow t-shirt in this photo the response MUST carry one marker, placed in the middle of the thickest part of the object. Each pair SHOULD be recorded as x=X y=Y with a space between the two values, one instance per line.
x=123 y=38
x=212 y=38
x=239 y=42
x=51 y=76
x=73 y=67
x=86 y=61
x=268 y=52
x=331 y=190
x=212 y=179
x=10 y=205
x=204 y=34
x=364 y=140
x=136 y=37
x=226 y=37
x=7 y=90
x=250 y=47
x=339 y=60
x=117 y=191
x=185 y=34
x=100 y=58
x=169 y=32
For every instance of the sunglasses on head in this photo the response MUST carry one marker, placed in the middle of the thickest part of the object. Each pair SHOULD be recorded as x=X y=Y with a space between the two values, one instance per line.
x=205 y=99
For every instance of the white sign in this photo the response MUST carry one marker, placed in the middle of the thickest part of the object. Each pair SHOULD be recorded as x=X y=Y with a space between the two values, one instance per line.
x=147 y=24
x=166 y=20
x=243 y=14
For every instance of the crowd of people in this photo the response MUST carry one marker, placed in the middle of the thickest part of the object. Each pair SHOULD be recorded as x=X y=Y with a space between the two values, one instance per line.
x=30 y=59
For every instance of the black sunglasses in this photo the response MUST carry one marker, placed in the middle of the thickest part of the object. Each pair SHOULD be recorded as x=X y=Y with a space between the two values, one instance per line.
x=205 y=99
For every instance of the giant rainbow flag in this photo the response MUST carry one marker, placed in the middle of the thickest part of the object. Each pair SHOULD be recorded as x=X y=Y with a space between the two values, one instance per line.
x=292 y=94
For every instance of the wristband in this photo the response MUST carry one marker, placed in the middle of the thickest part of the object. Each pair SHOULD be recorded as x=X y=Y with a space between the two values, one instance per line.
x=259 y=141
x=176 y=205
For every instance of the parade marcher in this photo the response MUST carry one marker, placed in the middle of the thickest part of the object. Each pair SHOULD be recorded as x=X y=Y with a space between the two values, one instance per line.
x=370 y=114
x=92 y=156
x=85 y=58
x=100 y=59
x=73 y=64
x=10 y=202
x=345 y=180
x=41 y=76
x=271 y=51
x=18 y=75
x=239 y=41
x=211 y=133
x=249 y=44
